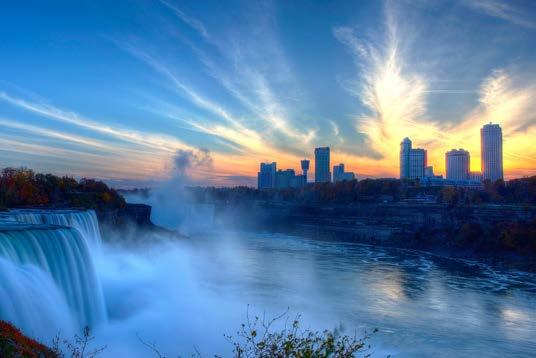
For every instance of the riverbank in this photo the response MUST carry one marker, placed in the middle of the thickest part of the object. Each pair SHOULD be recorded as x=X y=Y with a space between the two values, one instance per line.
x=498 y=234
x=499 y=259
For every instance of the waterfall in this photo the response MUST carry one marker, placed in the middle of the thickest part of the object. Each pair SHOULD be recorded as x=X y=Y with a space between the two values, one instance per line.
x=84 y=221
x=47 y=271
x=31 y=300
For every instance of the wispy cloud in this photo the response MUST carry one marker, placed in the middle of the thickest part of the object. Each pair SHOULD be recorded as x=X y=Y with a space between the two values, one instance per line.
x=396 y=100
x=164 y=143
x=250 y=65
x=35 y=130
x=509 y=101
x=505 y=10
x=190 y=21
x=394 y=97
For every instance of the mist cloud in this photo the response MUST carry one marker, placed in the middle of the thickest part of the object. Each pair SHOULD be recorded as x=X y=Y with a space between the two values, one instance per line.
x=186 y=160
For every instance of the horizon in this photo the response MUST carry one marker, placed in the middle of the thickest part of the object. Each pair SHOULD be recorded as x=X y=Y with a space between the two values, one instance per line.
x=115 y=92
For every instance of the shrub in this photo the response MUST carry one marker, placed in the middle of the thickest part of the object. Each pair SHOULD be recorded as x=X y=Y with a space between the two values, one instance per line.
x=257 y=339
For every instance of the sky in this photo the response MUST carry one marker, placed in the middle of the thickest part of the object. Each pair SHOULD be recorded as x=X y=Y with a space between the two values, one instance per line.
x=114 y=89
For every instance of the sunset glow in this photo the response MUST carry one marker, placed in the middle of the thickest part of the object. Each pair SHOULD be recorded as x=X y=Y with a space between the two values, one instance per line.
x=260 y=87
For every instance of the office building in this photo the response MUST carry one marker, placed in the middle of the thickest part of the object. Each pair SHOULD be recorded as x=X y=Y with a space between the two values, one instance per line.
x=338 y=171
x=457 y=164
x=284 y=178
x=418 y=160
x=322 y=173
x=413 y=161
x=491 y=152
x=340 y=175
x=266 y=176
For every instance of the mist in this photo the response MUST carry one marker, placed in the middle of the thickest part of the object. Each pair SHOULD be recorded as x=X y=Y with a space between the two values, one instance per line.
x=172 y=204
x=176 y=294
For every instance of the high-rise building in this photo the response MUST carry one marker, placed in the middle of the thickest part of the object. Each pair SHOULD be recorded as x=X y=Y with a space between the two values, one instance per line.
x=305 y=168
x=413 y=161
x=266 y=176
x=457 y=163
x=322 y=173
x=405 y=148
x=418 y=160
x=491 y=152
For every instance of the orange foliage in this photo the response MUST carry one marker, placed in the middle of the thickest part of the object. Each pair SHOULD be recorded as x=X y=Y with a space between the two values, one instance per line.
x=15 y=344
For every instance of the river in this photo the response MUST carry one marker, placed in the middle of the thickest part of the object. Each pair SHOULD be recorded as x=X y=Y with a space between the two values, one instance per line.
x=183 y=295
x=422 y=305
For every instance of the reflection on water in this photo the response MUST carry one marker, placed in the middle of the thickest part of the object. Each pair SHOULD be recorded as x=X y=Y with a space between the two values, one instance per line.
x=423 y=306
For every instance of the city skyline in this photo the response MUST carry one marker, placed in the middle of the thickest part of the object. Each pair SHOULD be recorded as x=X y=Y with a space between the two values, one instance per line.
x=109 y=91
x=413 y=164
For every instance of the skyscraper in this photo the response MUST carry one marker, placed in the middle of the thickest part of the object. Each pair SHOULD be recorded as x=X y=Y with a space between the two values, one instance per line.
x=457 y=163
x=305 y=168
x=266 y=176
x=491 y=152
x=413 y=161
x=405 y=148
x=322 y=173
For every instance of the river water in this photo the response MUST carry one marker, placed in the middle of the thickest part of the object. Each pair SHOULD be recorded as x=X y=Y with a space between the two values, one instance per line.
x=422 y=305
x=183 y=295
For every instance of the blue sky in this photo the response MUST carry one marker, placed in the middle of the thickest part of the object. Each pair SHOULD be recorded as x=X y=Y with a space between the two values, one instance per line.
x=112 y=89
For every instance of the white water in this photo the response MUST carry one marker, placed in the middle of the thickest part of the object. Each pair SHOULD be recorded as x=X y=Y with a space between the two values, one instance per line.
x=84 y=221
x=188 y=293
x=30 y=298
x=49 y=283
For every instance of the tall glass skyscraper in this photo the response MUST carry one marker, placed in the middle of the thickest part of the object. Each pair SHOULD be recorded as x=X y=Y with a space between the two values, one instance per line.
x=322 y=173
x=491 y=152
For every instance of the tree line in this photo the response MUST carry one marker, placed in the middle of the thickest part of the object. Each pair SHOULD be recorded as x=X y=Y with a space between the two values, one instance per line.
x=22 y=187
x=517 y=191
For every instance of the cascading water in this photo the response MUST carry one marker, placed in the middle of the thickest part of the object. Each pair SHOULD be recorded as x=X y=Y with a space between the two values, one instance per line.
x=47 y=274
x=30 y=299
x=84 y=221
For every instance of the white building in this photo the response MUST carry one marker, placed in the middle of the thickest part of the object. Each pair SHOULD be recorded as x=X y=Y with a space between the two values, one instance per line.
x=322 y=173
x=491 y=152
x=457 y=163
